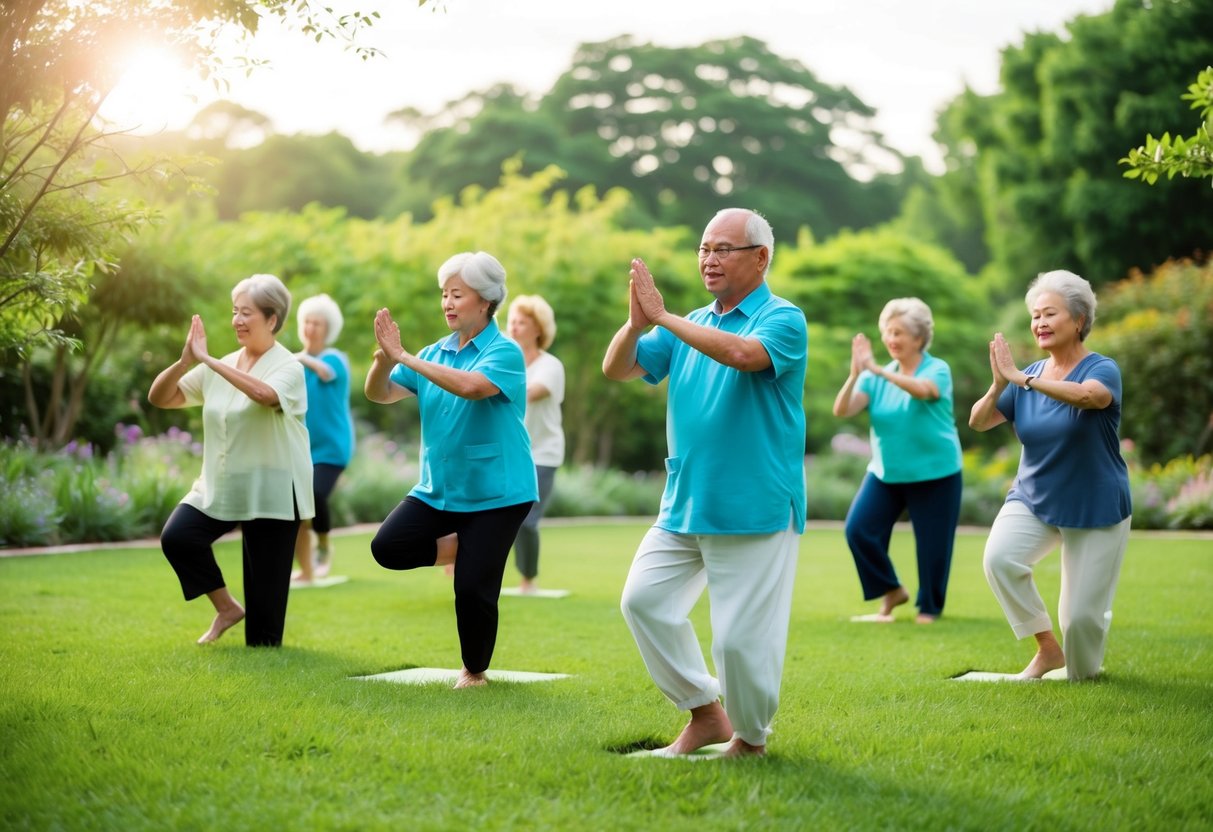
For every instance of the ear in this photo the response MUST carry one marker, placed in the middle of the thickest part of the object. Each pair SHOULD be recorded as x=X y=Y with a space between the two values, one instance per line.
x=764 y=257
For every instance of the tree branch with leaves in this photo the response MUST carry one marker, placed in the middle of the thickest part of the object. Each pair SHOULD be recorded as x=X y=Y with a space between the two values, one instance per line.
x=1191 y=157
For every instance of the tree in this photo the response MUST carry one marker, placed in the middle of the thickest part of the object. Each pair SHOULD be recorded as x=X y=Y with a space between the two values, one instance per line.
x=685 y=130
x=1191 y=157
x=1042 y=151
x=60 y=220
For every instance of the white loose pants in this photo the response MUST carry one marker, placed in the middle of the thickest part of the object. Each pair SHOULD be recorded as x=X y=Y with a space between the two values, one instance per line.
x=1090 y=568
x=749 y=580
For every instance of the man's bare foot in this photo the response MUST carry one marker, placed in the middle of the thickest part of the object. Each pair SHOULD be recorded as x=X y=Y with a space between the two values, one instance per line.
x=470 y=680
x=925 y=618
x=527 y=587
x=1049 y=656
x=709 y=724
x=740 y=748
x=892 y=599
x=299 y=579
x=225 y=619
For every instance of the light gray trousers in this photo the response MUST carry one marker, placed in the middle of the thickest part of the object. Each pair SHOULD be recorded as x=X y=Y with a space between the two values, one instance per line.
x=1090 y=568
x=749 y=580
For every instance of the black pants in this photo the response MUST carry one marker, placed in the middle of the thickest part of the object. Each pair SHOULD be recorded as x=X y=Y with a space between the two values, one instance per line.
x=324 y=478
x=269 y=549
x=408 y=539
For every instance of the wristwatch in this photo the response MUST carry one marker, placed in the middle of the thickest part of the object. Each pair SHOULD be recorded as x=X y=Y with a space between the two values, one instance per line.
x=1027 y=382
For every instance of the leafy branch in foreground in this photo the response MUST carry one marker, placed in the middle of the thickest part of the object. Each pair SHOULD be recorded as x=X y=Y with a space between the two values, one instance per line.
x=1191 y=157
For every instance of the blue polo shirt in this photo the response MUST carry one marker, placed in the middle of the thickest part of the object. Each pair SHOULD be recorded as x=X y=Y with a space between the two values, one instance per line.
x=1071 y=473
x=329 y=423
x=913 y=440
x=475 y=455
x=736 y=439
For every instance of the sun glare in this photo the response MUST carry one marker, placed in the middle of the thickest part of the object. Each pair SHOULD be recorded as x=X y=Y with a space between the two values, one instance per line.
x=154 y=93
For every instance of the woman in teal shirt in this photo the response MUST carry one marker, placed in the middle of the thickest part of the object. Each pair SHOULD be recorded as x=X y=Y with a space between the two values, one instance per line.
x=916 y=461
x=477 y=478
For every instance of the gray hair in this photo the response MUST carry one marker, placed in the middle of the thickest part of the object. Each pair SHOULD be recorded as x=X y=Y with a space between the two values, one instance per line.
x=481 y=271
x=541 y=313
x=268 y=294
x=758 y=232
x=1074 y=290
x=915 y=314
x=321 y=306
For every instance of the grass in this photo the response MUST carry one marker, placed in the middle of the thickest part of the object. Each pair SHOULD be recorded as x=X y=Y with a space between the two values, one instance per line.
x=111 y=718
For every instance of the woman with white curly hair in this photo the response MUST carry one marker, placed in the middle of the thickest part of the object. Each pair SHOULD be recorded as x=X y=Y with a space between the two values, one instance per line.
x=477 y=476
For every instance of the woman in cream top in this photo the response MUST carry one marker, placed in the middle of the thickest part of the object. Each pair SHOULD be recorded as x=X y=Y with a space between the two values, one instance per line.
x=256 y=464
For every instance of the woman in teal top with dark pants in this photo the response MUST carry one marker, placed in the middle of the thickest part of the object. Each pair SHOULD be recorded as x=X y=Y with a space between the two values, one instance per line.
x=477 y=478
x=916 y=461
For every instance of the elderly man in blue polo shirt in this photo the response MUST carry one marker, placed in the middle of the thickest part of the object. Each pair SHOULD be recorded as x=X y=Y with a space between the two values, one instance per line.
x=734 y=504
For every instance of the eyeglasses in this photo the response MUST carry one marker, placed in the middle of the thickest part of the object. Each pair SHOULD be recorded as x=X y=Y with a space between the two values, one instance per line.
x=723 y=252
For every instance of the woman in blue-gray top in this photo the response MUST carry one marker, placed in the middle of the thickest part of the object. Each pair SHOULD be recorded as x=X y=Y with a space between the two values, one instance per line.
x=1072 y=486
x=915 y=460
x=477 y=477
x=330 y=425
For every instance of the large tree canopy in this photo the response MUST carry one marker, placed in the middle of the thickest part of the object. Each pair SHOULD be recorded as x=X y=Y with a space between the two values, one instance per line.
x=1043 y=152
x=685 y=130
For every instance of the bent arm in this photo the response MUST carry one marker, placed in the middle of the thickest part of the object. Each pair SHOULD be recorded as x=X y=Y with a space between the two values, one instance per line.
x=379 y=386
x=745 y=354
x=918 y=388
x=256 y=389
x=317 y=366
x=985 y=413
x=164 y=391
x=619 y=363
x=848 y=403
x=466 y=384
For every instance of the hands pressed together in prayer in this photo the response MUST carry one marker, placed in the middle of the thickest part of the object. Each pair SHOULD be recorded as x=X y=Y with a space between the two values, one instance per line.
x=861 y=354
x=195 y=350
x=647 y=306
x=387 y=335
x=1002 y=363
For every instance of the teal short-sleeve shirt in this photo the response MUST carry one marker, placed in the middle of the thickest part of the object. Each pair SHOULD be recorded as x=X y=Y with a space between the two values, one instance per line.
x=913 y=440
x=736 y=439
x=475 y=455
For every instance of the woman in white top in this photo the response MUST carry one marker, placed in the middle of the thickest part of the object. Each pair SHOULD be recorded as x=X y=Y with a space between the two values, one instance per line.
x=256 y=464
x=532 y=325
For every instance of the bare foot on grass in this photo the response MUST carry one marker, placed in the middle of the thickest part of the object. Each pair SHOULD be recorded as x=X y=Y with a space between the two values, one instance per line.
x=892 y=599
x=470 y=680
x=225 y=619
x=1048 y=657
x=925 y=618
x=740 y=748
x=709 y=724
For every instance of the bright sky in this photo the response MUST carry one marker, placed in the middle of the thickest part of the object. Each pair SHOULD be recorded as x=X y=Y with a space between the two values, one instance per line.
x=905 y=58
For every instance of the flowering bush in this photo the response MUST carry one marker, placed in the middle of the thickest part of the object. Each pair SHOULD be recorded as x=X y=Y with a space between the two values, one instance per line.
x=76 y=495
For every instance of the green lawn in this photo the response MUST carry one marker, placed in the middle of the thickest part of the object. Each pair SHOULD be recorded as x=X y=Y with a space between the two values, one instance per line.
x=112 y=718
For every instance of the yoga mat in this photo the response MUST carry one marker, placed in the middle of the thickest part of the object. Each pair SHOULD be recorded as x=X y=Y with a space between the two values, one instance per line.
x=322 y=583
x=432 y=675
x=708 y=752
x=537 y=593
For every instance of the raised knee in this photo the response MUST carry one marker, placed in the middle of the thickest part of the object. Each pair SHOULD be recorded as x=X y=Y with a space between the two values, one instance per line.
x=380 y=551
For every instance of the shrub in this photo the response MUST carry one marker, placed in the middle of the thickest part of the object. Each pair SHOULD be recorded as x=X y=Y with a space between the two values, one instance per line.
x=603 y=492
x=379 y=476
